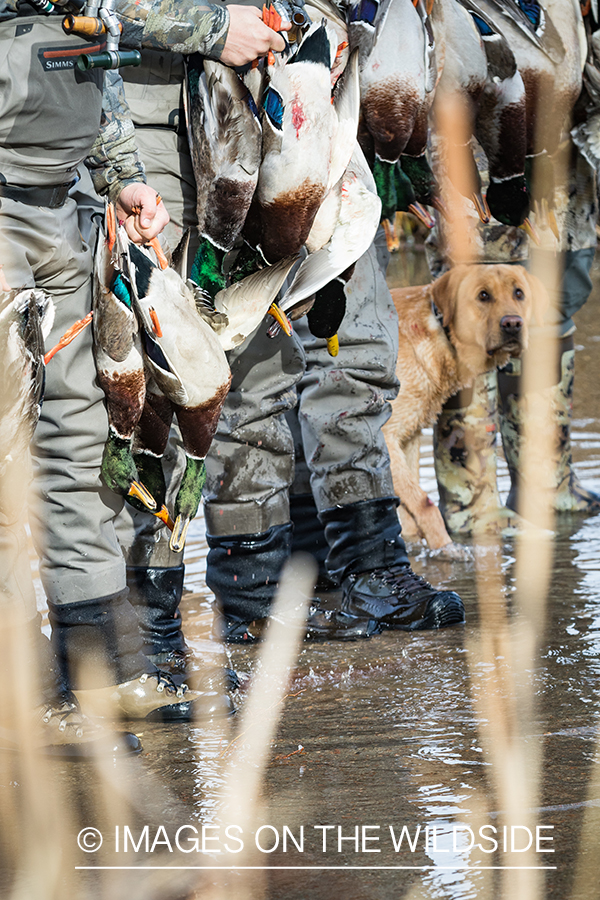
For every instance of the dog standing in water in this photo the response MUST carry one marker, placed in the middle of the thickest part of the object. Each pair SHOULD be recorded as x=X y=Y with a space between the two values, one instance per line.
x=469 y=321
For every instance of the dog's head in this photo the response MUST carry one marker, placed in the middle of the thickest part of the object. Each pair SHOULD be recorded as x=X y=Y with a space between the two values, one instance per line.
x=487 y=310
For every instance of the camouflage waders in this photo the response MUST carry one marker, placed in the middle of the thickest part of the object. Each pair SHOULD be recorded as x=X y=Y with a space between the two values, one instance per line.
x=464 y=446
x=570 y=496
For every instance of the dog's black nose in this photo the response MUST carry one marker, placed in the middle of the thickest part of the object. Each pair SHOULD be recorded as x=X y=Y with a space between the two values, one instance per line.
x=511 y=325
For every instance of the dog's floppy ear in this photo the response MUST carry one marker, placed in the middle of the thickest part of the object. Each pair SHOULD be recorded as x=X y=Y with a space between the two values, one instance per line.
x=540 y=300
x=444 y=291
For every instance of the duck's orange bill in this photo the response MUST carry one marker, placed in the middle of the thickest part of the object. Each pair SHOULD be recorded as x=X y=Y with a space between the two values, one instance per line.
x=138 y=490
x=391 y=237
x=68 y=336
x=422 y=214
x=483 y=210
x=163 y=515
x=333 y=345
x=281 y=318
x=529 y=230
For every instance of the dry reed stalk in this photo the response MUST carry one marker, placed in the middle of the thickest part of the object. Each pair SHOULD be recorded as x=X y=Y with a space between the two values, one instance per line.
x=502 y=654
x=35 y=823
x=585 y=883
x=454 y=145
x=249 y=754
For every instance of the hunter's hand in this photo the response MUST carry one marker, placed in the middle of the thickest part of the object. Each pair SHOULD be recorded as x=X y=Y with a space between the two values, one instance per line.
x=142 y=212
x=248 y=36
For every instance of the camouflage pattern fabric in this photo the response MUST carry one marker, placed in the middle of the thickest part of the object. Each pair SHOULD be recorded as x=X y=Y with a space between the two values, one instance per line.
x=114 y=161
x=569 y=494
x=170 y=25
x=464 y=440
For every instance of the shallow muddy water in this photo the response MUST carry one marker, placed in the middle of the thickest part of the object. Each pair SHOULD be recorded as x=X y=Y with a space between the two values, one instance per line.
x=399 y=731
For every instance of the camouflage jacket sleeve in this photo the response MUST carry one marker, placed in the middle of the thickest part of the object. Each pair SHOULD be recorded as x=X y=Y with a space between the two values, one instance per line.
x=113 y=161
x=183 y=26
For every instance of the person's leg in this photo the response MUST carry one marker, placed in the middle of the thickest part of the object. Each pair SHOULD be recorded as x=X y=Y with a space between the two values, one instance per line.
x=71 y=512
x=33 y=677
x=343 y=405
x=250 y=467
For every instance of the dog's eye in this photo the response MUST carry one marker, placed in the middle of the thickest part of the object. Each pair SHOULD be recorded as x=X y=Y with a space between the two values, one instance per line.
x=518 y=294
x=484 y=296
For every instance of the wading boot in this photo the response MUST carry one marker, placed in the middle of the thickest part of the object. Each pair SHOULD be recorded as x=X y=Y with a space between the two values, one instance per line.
x=464 y=452
x=57 y=725
x=568 y=494
x=155 y=594
x=328 y=624
x=309 y=537
x=368 y=556
x=243 y=572
x=99 y=650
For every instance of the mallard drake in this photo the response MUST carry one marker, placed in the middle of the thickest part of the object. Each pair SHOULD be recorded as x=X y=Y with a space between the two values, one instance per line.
x=299 y=129
x=358 y=218
x=25 y=320
x=119 y=360
x=500 y=123
x=398 y=73
x=186 y=367
x=225 y=139
x=546 y=42
x=460 y=88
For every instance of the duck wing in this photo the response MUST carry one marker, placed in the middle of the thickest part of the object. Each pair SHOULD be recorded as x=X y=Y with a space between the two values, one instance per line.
x=535 y=23
x=247 y=302
x=346 y=103
x=233 y=131
x=24 y=317
x=359 y=216
x=500 y=58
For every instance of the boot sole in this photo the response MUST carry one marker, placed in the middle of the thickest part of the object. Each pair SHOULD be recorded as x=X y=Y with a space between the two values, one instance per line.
x=441 y=612
x=343 y=628
x=190 y=712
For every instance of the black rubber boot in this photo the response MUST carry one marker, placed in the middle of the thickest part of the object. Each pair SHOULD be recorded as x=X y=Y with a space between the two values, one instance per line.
x=309 y=537
x=98 y=641
x=369 y=557
x=243 y=571
x=155 y=594
x=102 y=635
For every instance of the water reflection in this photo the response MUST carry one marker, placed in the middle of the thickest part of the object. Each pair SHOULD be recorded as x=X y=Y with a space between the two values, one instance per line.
x=388 y=733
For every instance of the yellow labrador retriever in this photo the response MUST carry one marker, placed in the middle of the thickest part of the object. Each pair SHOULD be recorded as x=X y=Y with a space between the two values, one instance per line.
x=469 y=321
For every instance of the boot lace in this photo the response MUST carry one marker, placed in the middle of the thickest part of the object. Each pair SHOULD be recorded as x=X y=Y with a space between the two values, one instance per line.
x=401 y=581
x=165 y=684
x=68 y=715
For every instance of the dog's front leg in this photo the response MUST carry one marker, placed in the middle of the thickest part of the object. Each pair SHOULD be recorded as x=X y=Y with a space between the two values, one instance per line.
x=405 y=471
